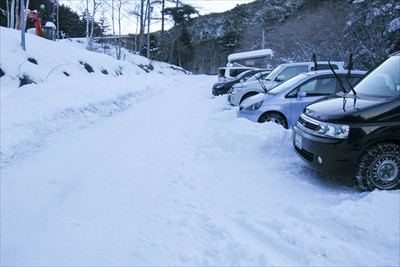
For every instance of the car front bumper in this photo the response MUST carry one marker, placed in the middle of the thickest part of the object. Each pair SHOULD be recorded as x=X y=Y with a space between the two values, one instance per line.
x=219 y=91
x=234 y=98
x=330 y=156
x=252 y=115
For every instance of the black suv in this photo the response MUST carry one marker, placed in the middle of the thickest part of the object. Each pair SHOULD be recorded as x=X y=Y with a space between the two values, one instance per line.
x=357 y=133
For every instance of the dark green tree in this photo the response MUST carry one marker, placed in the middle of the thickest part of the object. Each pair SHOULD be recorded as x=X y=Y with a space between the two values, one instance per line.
x=181 y=45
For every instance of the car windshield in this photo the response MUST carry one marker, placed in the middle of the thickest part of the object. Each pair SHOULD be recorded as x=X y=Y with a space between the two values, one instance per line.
x=288 y=84
x=256 y=76
x=383 y=81
x=246 y=75
x=274 y=72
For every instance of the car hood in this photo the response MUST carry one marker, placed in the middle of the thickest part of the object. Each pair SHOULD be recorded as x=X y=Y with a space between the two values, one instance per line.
x=350 y=109
x=225 y=83
x=252 y=83
x=252 y=100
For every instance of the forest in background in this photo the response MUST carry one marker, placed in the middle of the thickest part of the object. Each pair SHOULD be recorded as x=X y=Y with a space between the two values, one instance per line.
x=293 y=29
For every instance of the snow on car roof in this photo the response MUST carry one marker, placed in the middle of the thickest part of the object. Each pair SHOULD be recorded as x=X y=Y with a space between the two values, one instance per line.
x=250 y=54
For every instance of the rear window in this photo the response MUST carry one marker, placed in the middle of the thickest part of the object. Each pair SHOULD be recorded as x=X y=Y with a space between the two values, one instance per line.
x=290 y=72
x=221 y=72
x=326 y=67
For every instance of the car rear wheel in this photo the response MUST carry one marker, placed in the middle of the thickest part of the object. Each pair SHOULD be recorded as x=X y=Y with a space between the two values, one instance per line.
x=379 y=167
x=273 y=117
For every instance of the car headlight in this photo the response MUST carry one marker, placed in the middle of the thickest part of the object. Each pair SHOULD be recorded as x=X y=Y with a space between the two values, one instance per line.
x=325 y=129
x=254 y=106
x=333 y=130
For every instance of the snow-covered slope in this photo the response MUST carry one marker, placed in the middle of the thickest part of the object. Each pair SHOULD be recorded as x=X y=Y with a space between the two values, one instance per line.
x=67 y=86
x=147 y=169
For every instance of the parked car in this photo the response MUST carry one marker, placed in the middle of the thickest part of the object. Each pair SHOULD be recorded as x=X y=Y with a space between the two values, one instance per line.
x=221 y=88
x=284 y=103
x=230 y=72
x=254 y=79
x=357 y=134
x=280 y=74
x=258 y=76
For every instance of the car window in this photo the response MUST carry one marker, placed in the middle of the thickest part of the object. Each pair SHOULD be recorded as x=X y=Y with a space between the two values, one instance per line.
x=315 y=87
x=290 y=72
x=283 y=87
x=325 y=86
x=308 y=87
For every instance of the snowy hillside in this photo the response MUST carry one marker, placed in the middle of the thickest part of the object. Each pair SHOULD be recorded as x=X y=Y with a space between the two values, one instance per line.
x=124 y=167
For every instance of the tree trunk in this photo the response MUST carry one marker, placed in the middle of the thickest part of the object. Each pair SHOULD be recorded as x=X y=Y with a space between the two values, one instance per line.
x=22 y=23
x=142 y=24
x=12 y=15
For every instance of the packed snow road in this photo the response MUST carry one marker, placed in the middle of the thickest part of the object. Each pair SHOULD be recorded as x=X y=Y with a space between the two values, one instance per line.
x=177 y=179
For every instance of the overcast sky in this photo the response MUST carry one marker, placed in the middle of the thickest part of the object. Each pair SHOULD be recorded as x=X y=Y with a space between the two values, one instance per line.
x=129 y=21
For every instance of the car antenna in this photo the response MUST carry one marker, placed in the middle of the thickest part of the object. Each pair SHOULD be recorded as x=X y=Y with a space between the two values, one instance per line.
x=350 y=67
x=314 y=59
x=337 y=78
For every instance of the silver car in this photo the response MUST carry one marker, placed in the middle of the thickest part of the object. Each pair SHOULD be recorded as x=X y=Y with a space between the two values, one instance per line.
x=284 y=103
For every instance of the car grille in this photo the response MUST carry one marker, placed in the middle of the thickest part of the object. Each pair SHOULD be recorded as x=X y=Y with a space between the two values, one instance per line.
x=307 y=124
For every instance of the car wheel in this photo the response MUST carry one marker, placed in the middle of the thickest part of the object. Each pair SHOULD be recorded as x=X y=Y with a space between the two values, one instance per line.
x=246 y=96
x=273 y=117
x=379 y=167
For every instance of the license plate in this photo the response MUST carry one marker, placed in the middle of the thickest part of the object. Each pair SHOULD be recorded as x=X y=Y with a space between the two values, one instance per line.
x=298 y=141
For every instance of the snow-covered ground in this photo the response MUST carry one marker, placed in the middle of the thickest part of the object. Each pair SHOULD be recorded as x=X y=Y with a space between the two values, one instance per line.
x=134 y=168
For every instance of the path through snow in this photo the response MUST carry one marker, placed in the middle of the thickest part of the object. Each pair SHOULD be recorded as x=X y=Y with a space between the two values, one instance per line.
x=177 y=179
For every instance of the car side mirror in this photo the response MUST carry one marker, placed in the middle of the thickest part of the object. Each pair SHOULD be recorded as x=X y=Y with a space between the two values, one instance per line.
x=301 y=94
x=280 y=78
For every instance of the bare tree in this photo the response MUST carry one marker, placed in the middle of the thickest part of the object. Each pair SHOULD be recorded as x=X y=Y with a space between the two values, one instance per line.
x=12 y=15
x=136 y=13
x=17 y=16
x=119 y=3
x=96 y=4
x=142 y=23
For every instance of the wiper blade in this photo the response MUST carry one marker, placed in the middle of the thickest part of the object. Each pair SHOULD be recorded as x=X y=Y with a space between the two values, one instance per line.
x=337 y=78
x=262 y=84
x=350 y=67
